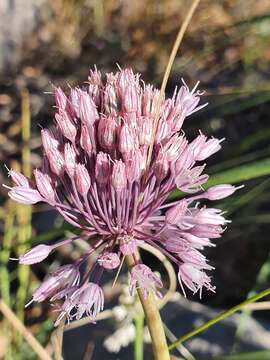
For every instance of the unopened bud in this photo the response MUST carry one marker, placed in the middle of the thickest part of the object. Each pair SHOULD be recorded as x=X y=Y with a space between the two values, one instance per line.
x=109 y=260
x=66 y=126
x=102 y=169
x=119 y=177
x=44 y=185
x=107 y=132
x=86 y=139
x=60 y=98
x=87 y=109
x=56 y=161
x=127 y=141
x=25 y=195
x=70 y=159
x=82 y=179
x=35 y=255
x=19 y=178
x=218 y=192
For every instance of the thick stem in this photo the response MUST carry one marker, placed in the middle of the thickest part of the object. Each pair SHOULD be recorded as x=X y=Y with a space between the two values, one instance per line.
x=153 y=320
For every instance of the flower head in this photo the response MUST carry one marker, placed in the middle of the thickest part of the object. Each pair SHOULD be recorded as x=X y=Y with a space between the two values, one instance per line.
x=97 y=174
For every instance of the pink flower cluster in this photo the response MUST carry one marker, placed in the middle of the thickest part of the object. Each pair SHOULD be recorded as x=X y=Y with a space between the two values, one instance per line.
x=97 y=174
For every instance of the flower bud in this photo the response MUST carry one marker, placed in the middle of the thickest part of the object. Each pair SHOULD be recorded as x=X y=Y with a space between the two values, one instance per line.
x=74 y=101
x=145 y=131
x=102 y=169
x=209 y=148
x=35 y=255
x=82 y=179
x=127 y=141
x=60 y=98
x=66 y=126
x=56 y=161
x=87 y=109
x=107 y=132
x=70 y=159
x=19 y=178
x=175 y=214
x=134 y=166
x=49 y=141
x=44 y=185
x=131 y=99
x=109 y=260
x=119 y=177
x=25 y=195
x=218 y=192
x=86 y=139
x=110 y=100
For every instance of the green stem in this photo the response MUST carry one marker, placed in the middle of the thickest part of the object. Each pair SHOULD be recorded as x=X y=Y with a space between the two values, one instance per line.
x=153 y=320
x=219 y=317
x=138 y=343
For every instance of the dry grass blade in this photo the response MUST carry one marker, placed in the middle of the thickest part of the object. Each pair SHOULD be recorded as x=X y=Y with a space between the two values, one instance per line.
x=57 y=340
x=174 y=51
x=18 y=325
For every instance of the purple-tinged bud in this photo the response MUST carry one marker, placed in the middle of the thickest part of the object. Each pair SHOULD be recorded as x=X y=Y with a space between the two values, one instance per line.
x=66 y=126
x=95 y=83
x=60 y=98
x=74 y=101
x=56 y=161
x=161 y=167
x=145 y=131
x=35 y=255
x=127 y=141
x=134 y=166
x=107 y=132
x=44 y=185
x=85 y=140
x=131 y=99
x=87 y=109
x=109 y=260
x=102 y=169
x=174 y=147
x=162 y=132
x=19 y=178
x=82 y=179
x=176 y=213
x=197 y=145
x=219 y=192
x=147 y=100
x=119 y=177
x=209 y=148
x=110 y=100
x=25 y=195
x=49 y=142
x=70 y=159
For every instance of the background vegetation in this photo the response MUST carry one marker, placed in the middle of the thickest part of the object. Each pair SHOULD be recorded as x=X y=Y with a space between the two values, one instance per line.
x=227 y=48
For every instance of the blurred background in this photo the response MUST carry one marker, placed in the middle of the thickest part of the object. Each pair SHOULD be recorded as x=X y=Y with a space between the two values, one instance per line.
x=226 y=48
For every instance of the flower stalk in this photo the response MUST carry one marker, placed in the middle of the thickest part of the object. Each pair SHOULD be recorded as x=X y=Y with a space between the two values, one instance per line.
x=153 y=320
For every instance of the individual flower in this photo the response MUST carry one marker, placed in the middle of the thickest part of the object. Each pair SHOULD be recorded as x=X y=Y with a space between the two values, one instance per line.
x=99 y=173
